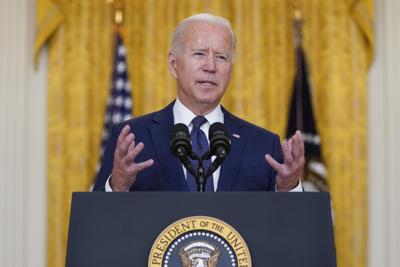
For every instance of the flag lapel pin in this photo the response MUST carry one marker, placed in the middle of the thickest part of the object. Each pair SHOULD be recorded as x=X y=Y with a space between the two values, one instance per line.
x=236 y=135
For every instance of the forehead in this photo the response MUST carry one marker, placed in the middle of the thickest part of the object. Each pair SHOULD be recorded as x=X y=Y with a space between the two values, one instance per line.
x=201 y=34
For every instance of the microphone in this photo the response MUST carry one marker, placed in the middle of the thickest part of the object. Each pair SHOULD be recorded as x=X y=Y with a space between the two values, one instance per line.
x=180 y=146
x=220 y=145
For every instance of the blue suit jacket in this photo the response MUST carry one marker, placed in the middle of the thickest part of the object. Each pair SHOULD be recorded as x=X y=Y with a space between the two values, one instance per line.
x=244 y=168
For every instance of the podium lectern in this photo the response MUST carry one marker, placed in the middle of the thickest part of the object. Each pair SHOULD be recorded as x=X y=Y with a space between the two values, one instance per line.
x=279 y=229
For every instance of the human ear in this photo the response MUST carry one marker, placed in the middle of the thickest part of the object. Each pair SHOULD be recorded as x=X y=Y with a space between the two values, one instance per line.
x=172 y=65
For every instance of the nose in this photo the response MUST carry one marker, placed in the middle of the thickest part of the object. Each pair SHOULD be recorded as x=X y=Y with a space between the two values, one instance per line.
x=209 y=64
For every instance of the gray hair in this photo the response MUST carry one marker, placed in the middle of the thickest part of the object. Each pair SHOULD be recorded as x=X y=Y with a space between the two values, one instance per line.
x=176 y=43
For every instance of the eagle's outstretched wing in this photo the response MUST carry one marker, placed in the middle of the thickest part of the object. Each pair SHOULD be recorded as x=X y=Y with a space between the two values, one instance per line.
x=212 y=262
x=185 y=259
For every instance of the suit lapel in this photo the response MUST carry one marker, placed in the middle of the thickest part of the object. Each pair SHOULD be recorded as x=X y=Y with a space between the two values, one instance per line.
x=230 y=167
x=160 y=129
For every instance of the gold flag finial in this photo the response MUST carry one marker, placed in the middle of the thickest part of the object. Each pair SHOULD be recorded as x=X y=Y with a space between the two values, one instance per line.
x=298 y=22
x=297 y=15
x=118 y=15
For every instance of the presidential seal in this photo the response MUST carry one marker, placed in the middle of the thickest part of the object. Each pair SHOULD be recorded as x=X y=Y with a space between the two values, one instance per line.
x=199 y=241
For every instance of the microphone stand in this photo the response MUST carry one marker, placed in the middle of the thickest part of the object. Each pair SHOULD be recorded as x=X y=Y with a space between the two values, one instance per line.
x=201 y=174
x=201 y=179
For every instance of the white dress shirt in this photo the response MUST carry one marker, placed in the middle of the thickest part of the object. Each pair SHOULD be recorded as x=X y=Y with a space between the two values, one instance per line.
x=184 y=115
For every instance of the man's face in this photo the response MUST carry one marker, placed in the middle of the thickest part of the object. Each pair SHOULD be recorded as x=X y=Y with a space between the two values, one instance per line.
x=203 y=66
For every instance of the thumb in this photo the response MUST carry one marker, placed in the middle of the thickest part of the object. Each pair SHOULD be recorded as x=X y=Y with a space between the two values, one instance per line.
x=274 y=164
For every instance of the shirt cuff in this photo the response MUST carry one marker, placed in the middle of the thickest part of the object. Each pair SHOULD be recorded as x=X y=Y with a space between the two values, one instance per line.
x=108 y=186
x=298 y=188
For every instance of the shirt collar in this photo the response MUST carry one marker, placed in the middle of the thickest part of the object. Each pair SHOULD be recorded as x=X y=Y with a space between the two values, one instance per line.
x=184 y=115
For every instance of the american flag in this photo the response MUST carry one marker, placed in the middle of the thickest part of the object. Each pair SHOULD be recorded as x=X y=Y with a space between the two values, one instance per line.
x=119 y=104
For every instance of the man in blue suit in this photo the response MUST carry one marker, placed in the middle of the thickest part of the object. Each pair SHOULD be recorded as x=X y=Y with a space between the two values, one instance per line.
x=201 y=59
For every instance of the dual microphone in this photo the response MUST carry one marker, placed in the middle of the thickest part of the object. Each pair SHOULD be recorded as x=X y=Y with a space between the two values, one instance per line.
x=181 y=147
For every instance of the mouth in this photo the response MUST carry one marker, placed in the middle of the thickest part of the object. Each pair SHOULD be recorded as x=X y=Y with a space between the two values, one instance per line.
x=207 y=83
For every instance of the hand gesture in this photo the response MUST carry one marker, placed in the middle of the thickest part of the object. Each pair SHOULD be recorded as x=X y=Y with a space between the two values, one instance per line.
x=290 y=171
x=125 y=168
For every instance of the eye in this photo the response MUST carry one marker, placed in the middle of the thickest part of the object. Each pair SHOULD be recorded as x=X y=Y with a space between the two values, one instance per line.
x=198 y=54
x=222 y=57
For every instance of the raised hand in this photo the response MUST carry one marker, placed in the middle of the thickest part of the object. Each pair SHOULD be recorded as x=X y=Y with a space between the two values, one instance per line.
x=290 y=171
x=125 y=168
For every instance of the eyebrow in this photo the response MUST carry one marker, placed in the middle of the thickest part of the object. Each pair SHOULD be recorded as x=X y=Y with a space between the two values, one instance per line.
x=199 y=49
x=207 y=49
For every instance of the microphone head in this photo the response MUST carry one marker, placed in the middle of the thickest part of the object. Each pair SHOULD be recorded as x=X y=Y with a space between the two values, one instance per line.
x=220 y=144
x=180 y=140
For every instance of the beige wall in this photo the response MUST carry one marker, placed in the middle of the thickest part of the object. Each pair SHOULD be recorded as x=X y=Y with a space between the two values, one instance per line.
x=23 y=140
x=384 y=136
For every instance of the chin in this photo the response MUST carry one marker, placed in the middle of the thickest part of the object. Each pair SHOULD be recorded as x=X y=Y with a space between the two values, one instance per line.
x=209 y=98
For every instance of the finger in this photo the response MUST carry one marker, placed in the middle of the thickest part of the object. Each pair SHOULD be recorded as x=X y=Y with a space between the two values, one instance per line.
x=134 y=152
x=124 y=132
x=124 y=145
x=274 y=164
x=289 y=143
x=301 y=141
x=144 y=165
x=287 y=153
x=298 y=148
x=132 y=145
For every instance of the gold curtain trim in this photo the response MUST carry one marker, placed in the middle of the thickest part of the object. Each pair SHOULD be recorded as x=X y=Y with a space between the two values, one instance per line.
x=361 y=12
x=46 y=27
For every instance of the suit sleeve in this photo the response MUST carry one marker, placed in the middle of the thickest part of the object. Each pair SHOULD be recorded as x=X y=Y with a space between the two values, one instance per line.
x=278 y=156
x=107 y=160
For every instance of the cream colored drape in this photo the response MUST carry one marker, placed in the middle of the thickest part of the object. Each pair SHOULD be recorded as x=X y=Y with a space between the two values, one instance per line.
x=338 y=39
